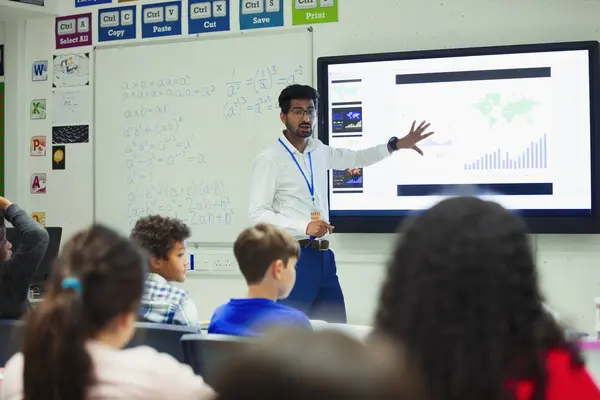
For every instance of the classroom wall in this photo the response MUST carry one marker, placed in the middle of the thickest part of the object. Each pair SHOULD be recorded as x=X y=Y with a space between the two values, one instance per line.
x=569 y=273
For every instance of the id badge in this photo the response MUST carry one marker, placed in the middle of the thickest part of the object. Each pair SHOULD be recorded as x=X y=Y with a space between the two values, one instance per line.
x=315 y=216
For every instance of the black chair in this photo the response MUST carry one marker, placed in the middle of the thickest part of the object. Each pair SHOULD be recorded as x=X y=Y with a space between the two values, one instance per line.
x=163 y=338
x=208 y=354
x=11 y=332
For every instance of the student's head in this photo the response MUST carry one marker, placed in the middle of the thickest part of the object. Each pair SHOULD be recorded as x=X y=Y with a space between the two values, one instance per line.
x=299 y=365
x=298 y=105
x=94 y=292
x=267 y=256
x=462 y=294
x=5 y=245
x=164 y=239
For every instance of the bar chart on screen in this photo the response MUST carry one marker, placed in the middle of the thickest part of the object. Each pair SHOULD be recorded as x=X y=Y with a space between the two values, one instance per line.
x=534 y=156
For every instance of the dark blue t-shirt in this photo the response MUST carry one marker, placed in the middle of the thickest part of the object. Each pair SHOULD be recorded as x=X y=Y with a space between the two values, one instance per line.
x=250 y=317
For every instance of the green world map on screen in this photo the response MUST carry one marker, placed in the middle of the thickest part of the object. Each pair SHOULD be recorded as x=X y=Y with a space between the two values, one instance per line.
x=493 y=108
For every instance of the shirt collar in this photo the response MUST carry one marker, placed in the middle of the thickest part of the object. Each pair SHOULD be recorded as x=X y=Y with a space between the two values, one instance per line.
x=310 y=145
x=156 y=278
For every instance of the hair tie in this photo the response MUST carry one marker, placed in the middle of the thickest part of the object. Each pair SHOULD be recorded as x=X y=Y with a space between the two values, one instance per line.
x=71 y=283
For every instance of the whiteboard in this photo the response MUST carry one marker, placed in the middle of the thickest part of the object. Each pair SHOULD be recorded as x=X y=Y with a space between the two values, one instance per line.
x=177 y=126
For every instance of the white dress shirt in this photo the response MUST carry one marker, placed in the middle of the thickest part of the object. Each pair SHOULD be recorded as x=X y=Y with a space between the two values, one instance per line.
x=279 y=194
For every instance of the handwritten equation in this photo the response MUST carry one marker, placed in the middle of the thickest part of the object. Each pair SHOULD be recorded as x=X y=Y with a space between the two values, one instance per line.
x=166 y=123
x=195 y=203
x=257 y=93
x=157 y=147
x=170 y=87
x=170 y=93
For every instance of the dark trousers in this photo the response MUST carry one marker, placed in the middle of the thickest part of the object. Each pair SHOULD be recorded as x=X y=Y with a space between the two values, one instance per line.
x=317 y=291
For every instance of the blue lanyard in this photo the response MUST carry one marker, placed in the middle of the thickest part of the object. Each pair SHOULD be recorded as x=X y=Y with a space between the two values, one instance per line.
x=311 y=185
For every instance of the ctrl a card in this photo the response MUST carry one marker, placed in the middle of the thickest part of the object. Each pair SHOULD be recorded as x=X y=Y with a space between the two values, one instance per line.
x=73 y=31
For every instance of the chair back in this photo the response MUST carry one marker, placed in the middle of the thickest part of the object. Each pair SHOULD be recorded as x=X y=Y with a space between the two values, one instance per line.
x=208 y=354
x=11 y=332
x=163 y=338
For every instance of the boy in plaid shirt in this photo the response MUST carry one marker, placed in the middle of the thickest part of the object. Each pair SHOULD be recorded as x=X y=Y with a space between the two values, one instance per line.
x=162 y=302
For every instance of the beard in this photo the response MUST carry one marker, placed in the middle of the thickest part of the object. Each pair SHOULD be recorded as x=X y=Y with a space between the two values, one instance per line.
x=304 y=130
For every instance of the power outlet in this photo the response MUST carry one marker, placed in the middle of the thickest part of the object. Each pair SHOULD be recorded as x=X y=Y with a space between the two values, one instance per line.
x=212 y=261
x=230 y=266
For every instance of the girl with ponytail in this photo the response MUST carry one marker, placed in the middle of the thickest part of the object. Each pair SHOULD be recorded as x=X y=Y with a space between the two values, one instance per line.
x=72 y=345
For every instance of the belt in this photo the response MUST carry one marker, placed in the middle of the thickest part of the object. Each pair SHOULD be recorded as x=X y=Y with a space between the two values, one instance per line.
x=320 y=245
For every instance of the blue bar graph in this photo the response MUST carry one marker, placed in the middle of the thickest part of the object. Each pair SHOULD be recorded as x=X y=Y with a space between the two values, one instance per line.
x=535 y=156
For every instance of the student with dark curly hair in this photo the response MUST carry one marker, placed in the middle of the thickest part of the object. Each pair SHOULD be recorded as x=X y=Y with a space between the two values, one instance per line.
x=462 y=295
x=73 y=341
x=162 y=302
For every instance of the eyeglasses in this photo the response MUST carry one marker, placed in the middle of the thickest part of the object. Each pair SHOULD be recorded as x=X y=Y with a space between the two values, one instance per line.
x=300 y=112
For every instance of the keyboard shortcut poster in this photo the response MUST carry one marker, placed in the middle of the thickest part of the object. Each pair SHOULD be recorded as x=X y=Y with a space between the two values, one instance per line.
x=208 y=16
x=256 y=14
x=73 y=31
x=308 y=12
x=117 y=23
x=161 y=19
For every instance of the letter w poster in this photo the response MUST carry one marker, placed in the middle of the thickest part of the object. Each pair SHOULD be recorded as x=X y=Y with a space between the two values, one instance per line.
x=1 y=139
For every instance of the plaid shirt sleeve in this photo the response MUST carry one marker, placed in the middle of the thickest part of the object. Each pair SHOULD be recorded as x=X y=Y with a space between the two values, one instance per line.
x=186 y=312
x=167 y=304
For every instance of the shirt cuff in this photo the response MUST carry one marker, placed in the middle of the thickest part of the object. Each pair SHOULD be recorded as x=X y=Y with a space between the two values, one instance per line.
x=383 y=150
x=301 y=228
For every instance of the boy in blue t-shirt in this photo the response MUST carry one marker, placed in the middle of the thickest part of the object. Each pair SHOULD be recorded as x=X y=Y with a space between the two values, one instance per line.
x=267 y=258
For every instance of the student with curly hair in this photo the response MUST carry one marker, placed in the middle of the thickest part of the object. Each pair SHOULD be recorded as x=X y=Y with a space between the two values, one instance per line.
x=462 y=295
x=73 y=341
x=162 y=302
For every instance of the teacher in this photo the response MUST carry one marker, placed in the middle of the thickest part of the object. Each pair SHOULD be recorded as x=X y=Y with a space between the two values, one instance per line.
x=289 y=190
